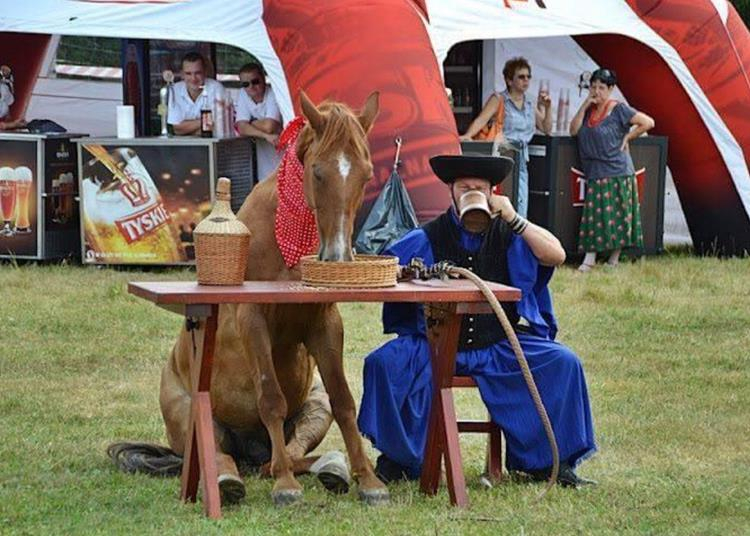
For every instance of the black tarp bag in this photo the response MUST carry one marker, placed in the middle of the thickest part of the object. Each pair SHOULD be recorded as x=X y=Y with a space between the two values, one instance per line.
x=45 y=126
x=391 y=216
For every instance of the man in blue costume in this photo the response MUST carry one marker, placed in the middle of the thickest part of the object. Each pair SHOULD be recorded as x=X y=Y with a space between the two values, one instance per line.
x=395 y=408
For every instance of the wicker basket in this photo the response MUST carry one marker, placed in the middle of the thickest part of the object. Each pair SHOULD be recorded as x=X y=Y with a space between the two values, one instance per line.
x=365 y=271
x=221 y=243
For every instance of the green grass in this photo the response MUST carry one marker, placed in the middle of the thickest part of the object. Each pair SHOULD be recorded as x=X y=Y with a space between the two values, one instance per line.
x=665 y=342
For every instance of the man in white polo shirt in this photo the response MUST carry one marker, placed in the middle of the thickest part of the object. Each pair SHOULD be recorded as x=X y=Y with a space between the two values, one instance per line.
x=191 y=94
x=258 y=116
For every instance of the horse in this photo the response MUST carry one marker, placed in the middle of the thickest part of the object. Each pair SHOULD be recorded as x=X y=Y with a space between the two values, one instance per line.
x=265 y=353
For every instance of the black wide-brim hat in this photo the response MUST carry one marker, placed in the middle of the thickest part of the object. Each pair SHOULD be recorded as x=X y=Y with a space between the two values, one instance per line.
x=451 y=167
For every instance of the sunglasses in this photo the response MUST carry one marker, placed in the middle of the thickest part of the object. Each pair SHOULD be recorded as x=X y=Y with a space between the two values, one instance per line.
x=253 y=82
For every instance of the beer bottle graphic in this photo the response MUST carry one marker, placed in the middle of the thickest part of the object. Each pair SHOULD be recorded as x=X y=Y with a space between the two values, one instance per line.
x=125 y=219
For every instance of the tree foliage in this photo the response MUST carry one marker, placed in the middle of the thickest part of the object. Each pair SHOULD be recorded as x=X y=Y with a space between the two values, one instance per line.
x=105 y=52
x=93 y=51
x=743 y=8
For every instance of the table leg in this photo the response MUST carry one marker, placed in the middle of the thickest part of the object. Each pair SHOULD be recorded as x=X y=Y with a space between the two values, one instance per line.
x=204 y=433
x=190 y=465
x=442 y=434
x=199 y=461
x=433 y=452
x=453 y=466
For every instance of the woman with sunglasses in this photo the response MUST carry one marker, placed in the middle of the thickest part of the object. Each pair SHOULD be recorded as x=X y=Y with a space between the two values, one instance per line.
x=521 y=118
x=611 y=218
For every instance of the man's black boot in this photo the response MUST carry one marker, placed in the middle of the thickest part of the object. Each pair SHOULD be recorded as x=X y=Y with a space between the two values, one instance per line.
x=567 y=477
x=389 y=471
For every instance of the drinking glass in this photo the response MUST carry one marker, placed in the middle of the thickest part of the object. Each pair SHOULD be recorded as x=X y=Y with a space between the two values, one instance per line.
x=543 y=87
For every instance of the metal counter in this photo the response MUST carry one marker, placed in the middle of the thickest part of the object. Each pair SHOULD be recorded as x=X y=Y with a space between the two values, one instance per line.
x=557 y=188
x=38 y=188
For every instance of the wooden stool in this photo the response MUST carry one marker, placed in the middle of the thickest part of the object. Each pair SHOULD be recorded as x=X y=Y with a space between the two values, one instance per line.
x=443 y=326
x=493 y=463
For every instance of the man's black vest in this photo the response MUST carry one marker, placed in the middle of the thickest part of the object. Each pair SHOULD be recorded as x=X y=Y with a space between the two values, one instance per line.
x=490 y=263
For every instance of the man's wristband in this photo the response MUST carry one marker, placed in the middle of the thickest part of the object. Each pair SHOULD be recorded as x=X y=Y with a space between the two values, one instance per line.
x=518 y=224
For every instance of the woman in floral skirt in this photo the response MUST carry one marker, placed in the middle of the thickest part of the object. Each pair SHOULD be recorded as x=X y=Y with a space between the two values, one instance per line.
x=611 y=217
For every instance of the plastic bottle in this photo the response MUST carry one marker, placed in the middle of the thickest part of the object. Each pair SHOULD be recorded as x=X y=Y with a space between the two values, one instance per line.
x=566 y=111
x=560 y=121
x=219 y=114
x=229 y=118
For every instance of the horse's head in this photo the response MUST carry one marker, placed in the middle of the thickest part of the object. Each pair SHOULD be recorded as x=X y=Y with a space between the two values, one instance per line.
x=333 y=147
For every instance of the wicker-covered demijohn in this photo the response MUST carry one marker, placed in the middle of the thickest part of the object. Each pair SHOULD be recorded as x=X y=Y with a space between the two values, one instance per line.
x=221 y=243
x=365 y=271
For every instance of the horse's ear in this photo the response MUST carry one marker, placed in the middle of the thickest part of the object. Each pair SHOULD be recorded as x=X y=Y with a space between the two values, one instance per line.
x=311 y=113
x=369 y=111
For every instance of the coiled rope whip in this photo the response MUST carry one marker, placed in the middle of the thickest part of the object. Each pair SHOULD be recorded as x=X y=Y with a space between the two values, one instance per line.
x=416 y=269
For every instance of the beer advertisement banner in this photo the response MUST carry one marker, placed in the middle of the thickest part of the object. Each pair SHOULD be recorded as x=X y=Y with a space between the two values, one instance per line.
x=19 y=235
x=140 y=204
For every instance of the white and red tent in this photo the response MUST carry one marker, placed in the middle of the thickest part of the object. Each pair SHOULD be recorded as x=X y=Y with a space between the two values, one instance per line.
x=682 y=61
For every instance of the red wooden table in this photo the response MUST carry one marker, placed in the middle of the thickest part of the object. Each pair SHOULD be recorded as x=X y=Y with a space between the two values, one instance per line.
x=201 y=303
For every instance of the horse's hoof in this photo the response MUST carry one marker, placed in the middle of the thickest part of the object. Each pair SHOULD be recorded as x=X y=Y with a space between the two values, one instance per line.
x=375 y=497
x=285 y=497
x=231 y=489
x=332 y=472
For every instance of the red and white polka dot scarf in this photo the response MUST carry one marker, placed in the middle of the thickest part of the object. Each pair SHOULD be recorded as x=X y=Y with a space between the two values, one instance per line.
x=294 y=227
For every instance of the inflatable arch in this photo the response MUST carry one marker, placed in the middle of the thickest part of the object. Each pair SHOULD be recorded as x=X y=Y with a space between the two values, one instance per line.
x=683 y=61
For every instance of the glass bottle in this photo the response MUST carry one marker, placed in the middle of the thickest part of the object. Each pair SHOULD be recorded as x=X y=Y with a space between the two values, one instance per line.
x=207 y=116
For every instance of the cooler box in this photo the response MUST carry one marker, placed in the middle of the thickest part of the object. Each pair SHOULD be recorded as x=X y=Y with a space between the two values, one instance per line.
x=38 y=196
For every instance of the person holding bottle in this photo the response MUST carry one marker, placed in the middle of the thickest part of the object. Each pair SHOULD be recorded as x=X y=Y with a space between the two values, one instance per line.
x=611 y=218
x=195 y=92
x=258 y=116
x=520 y=119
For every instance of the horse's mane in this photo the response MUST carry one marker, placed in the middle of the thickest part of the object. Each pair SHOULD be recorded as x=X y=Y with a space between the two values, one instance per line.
x=342 y=127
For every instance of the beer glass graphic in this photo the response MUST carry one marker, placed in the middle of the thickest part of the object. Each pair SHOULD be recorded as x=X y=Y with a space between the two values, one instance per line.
x=68 y=186
x=24 y=178
x=7 y=198
x=56 y=217
x=63 y=187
